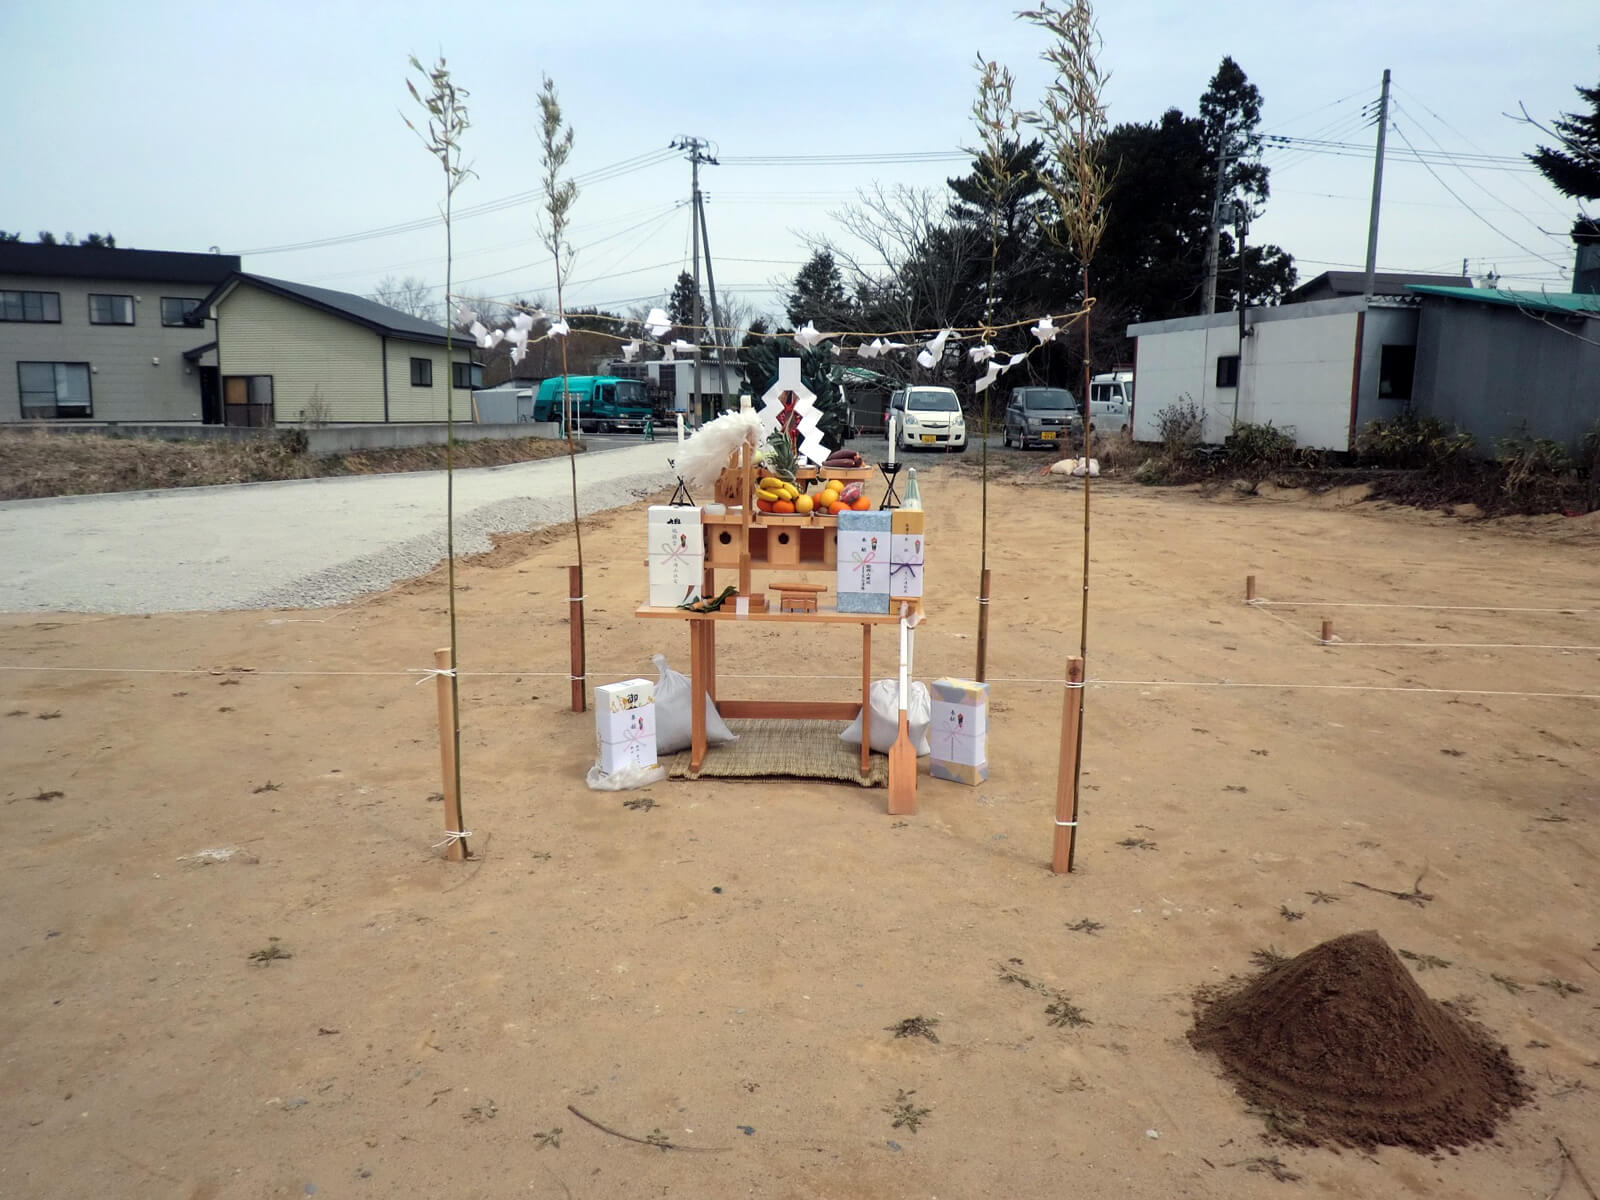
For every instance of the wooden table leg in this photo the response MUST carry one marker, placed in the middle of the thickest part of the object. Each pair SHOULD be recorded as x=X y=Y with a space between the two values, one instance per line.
x=709 y=653
x=866 y=697
x=697 y=695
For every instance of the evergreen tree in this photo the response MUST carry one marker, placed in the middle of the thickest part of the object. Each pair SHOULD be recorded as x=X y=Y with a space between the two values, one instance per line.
x=681 y=310
x=1231 y=111
x=818 y=294
x=1573 y=166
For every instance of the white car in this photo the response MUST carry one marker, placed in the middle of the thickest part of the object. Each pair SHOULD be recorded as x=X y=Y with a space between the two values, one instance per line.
x=928 y=418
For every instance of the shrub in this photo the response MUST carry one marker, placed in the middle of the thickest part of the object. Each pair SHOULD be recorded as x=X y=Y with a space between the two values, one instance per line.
x=1532 y=469
x=1253 y=447
x=1411 y=442
x=1180 y=426
x=1587 y=464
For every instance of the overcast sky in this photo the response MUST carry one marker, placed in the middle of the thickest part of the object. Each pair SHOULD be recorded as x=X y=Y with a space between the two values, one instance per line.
x=249 y=126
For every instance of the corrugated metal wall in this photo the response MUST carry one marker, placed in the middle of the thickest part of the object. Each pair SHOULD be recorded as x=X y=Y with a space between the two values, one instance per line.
x=1494 y=370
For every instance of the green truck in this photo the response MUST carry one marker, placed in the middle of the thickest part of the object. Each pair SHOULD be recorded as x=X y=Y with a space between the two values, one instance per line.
x=599 y=403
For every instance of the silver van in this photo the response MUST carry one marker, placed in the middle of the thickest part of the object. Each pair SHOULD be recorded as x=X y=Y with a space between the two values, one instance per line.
x=1044 y=416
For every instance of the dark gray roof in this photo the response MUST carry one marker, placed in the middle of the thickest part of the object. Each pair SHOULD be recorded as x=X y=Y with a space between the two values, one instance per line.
x=102 y=262
x=375 y=316
x=1354 y=283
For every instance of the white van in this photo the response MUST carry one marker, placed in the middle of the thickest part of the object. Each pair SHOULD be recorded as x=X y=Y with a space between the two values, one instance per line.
x=928 y=418
x=1111 y=402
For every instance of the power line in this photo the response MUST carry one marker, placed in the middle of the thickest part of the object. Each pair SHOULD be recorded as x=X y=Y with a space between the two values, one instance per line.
x=599 y=175
x=1478 y=185
x=842 y=160
x=1524 y=184
x=1469 y=207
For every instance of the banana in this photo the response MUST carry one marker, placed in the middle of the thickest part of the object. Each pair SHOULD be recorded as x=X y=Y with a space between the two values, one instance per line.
x=772 y=483
x=763 y=493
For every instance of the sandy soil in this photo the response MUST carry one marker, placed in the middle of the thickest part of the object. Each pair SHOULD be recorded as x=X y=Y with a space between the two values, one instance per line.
x=436 y=1018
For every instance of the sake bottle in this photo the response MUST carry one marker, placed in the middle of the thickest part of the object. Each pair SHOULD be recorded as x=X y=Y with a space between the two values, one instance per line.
x=913 y=500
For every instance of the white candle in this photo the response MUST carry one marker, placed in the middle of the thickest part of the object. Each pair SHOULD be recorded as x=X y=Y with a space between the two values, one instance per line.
x=892 y=439
x=744 y=404
x=680 y=429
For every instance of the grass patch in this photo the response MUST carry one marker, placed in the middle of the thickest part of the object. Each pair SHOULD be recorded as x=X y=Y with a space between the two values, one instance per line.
x=34 y=464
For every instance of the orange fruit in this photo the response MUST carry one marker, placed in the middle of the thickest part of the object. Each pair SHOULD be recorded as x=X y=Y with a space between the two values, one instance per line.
x=764 y=505
x=782 y=506
x=836 y=508
x=862 y=504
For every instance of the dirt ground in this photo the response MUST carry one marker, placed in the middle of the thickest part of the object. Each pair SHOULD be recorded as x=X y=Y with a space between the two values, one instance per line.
x=720 y=970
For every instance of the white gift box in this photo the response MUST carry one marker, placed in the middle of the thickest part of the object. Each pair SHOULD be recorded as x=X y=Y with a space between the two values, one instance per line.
x=906 y=552
x=959 y=733
x=625 y=720
x=676 y=546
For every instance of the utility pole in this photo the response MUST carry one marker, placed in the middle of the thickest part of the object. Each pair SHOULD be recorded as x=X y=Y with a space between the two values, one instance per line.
x=696 y=148
x=1213 y=245
x=716 y=317
x=1377 y=186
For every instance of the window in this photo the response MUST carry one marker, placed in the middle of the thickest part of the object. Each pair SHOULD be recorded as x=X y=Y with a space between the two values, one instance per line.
x=1228 y=370
x=1395 y=369
x=247 y=400
x=465 y=375
x=422 y=372
x=175 y=310
x=110 y=310
x=30 y=306
x=932 y=400
x=1049 y=399
x=53 y=390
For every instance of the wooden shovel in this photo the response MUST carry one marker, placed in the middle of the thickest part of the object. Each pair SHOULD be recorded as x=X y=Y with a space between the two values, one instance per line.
x=902 y=755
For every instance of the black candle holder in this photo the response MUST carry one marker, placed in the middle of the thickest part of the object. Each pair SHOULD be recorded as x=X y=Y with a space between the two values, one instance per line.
x=891 y=471
x=680 y=496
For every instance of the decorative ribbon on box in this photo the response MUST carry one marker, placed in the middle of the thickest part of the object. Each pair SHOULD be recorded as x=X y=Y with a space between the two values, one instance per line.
x=960 y=730
x=676 y=545
x=861 y=564
x=863 y=545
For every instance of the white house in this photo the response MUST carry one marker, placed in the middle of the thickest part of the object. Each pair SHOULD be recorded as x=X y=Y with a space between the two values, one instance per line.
x=1319 y=370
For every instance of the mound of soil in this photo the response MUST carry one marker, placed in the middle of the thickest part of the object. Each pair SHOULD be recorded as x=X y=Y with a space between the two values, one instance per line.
x=1341 y=1045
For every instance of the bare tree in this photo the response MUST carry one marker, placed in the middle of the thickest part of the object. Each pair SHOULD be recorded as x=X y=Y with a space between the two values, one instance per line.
x=912 y=267
x=410 y=295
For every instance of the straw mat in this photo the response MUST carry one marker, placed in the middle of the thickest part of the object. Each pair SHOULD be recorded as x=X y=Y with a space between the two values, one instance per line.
x=783 y=749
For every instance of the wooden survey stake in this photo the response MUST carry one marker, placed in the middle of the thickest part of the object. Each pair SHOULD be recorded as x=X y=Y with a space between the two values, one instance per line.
x=580 y=692
x=456 y=851
x=1066 y=790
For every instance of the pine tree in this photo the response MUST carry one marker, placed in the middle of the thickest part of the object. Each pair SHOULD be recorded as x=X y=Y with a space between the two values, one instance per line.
x=818 y=294
x=1231 y=111
x=681 y=309
x=1573 y=167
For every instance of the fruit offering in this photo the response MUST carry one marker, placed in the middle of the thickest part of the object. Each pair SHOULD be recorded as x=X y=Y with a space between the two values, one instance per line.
x=843 y=458
x=776 y=495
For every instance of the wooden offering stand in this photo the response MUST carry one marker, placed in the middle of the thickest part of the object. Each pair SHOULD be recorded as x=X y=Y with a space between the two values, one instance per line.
x=744 y=539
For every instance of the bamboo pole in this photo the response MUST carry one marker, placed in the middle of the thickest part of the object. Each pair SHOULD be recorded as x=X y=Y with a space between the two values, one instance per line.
x=444 y=662
x=983 y=627
x=1066 y=837
x=580 y=682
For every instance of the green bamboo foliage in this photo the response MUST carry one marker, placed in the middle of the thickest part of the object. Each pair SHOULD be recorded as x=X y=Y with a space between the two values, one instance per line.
x=555 y=144
x=446 y=106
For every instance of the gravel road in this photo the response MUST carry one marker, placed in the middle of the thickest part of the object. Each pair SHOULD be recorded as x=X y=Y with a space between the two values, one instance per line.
x=296 y=544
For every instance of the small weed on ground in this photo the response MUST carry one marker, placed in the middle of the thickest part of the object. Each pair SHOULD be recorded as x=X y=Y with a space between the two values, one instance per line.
x=270 y=953
x=53 y=715
x=483 y=1110
x=268 y=786
x=1323 y=898
x=1289 y=914
x=907 y=1114
x=915 y=1027
x=1268 y=958
x=1268 y=1166
x=1505 y=981
x=1138 y=843
x=1062 y=1012
x=1561 y=987
x=547 y=1137
x=1085 y=925
x=1425 y=962
x=46 y=797
x=639 y=804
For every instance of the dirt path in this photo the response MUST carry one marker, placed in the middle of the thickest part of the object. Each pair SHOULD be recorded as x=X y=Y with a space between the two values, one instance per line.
x=434 y=1019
